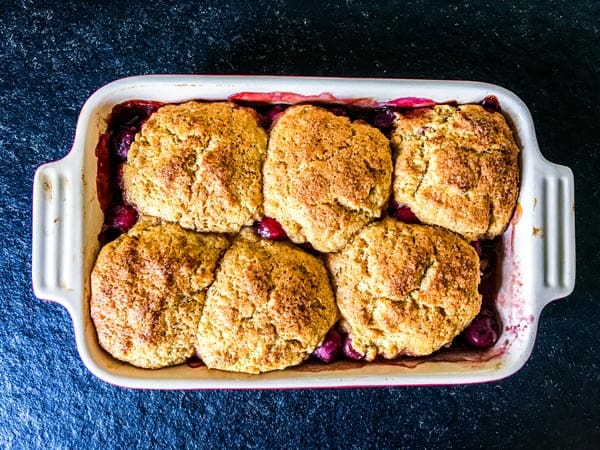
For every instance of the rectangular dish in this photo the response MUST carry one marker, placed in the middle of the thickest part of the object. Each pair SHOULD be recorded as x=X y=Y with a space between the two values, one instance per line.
x=538 y=264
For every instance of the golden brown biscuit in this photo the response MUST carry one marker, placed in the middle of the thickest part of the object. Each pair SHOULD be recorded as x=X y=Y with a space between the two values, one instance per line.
x=269 y=307
x=405 y=289
x=457 y=167
x=198 y=164
x=325 y=177
x=148 y=289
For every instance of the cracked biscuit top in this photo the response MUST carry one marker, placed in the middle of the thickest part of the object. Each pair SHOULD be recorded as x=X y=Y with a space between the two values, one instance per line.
x=147 y=292
x=405 y=289
x=325 y=177
x=269 y=307
x=198 y=164
x=457 y=167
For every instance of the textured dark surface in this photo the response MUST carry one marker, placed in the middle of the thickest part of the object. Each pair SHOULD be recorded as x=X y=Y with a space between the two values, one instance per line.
x=55 y=54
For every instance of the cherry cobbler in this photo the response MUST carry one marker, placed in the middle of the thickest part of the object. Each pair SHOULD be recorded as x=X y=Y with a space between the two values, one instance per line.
x=259 y=232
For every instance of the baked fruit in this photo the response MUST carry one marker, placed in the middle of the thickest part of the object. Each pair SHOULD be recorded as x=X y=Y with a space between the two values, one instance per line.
x=405 y=289
x=325 y=176
x=270 y=306
x=198 y=164
x=148 y=289
x=456 y=167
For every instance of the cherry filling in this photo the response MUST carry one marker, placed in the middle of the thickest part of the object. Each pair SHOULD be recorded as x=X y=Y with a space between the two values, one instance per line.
x=104 y=176
x=112 y=149
x=127 y=119
x=122 y=140
x=349 y=351
x=339 y=110
x=117 y=220
x=194 y=362
x=121 y=217
x=487 y=262
x=269 y=116
x=132 y=113
x=383 y=118
x=482 y=332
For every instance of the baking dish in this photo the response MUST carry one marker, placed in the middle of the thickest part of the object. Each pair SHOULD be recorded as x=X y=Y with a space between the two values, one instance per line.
x=538 y=263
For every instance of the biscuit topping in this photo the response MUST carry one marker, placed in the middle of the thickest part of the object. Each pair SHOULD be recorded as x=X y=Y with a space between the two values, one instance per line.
x=198 y=164
x=405 y=289
x=325 y=177
x=457 y=167
x=147 y=292
x=270 y=306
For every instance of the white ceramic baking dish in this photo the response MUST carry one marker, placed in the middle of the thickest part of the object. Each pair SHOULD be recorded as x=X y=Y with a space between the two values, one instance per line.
x=538 y=265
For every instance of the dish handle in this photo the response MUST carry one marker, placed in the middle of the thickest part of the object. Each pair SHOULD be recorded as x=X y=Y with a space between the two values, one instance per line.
x=555 y=224
x=56 y=233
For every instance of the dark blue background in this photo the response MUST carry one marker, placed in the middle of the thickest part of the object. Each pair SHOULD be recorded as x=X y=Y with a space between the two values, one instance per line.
x=53 y=55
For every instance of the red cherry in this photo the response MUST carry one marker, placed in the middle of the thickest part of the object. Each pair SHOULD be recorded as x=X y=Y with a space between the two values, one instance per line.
x=477 y=246
x=269 y=228
x=331 y=347
x=403 y=213
x=122 y=141
x=491 y=104
x=481 y=333
x=121 y=217
x=349 y=351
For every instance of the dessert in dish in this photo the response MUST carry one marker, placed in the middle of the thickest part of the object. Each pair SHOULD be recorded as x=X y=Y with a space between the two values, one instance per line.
x=325 y=176
x=147 y=292
x=198 y=164
x=326 y=184
x=269 y=307
x=405 y=289
x=457 y=167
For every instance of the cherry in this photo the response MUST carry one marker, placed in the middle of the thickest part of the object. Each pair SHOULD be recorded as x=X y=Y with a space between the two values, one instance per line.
x=487 y=262
x=383 y=118
x=491 y=104
x=132 y=113
x=122 y=141
x=403 y=213
x=121 y=217
x=269 y=228
x=481 y=333
x=269 y=118
x=338 y=110
x=194 y=362
x=331 y=348
x=477 y=246
x=349 y=351
x=104 y=172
